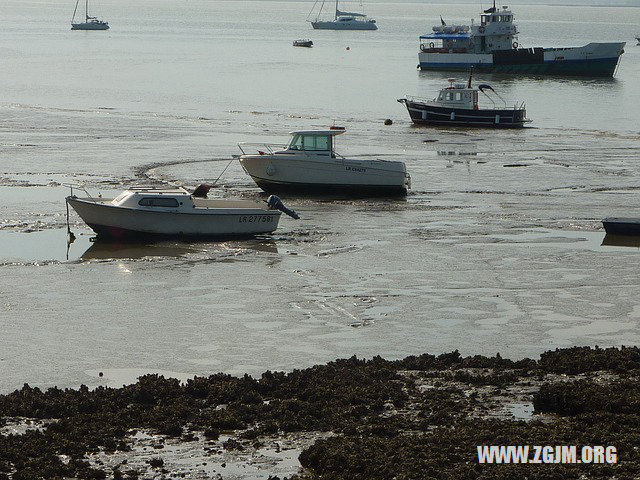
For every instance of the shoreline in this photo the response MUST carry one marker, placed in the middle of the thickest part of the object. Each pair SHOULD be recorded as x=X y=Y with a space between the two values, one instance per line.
x=419 y=417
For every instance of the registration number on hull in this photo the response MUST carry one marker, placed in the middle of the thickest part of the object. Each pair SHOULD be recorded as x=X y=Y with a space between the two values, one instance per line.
x=256 y=219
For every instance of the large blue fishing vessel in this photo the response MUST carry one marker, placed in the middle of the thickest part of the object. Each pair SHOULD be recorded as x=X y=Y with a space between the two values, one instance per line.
x=492 y=46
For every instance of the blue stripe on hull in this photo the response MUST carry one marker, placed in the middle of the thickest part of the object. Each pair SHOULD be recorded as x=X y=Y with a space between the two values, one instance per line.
x=604 y=67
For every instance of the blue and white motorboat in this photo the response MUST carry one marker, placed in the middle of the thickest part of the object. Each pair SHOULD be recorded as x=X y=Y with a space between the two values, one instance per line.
x=458 y=105
x=492 y=46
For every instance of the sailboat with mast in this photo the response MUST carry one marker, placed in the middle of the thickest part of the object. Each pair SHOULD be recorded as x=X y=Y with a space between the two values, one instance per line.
x=341 y=20
x=90 y=23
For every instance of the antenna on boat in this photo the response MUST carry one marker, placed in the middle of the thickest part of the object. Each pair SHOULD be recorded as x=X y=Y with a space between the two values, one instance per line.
x=470 y=75
x=493 y=9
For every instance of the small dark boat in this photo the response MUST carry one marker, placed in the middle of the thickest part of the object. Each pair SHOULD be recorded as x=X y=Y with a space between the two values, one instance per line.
x=457 y=105
x=621 y=226
x=303 y=43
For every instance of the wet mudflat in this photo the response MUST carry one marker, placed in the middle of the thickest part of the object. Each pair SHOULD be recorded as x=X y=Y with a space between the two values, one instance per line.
x=498 y=247
x=419 y=417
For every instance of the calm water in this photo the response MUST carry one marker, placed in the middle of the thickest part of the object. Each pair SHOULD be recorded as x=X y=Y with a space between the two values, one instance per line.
x=497 y=248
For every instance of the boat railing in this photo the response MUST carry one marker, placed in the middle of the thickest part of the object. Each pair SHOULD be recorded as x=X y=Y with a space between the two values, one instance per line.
x=411 y=98
x=79 y=186
x=260 y=147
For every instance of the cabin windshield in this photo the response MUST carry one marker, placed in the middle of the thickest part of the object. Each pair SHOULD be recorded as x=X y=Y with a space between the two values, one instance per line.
x=455 y=96
x=485 y=19
x=310 y=142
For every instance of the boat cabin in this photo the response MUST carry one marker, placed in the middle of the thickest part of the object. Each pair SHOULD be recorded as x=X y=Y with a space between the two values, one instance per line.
x=458 y=95
x=496 y=31
x=316 y=142
x=173 y=199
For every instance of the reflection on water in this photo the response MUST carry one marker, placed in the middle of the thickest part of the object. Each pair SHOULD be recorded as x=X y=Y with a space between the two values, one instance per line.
x=101 y=250
x=54 y=245
x=106 y=249
x=621 y=241
x=574 y=239
x=42 y=246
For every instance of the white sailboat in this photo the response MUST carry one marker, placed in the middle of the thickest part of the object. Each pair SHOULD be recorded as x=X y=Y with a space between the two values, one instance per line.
x=90 y=23
x=342 y=20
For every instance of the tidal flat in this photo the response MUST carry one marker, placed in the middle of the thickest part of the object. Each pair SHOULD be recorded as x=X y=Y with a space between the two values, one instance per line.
x=419 y=417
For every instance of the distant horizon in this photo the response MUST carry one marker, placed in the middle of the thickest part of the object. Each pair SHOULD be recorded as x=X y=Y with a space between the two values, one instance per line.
x=488 y=3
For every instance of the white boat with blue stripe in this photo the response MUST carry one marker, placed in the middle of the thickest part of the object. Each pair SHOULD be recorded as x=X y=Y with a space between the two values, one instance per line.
x=309 y=165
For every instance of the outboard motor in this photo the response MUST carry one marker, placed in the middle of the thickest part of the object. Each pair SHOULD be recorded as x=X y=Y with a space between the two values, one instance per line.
x=275 y=203
x=201 y=190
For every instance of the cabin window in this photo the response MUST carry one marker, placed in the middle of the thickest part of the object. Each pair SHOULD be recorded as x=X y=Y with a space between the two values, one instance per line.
x=310 y=142
x=458 y=96
x=322 y=143
x=158 y=202
x=449 y=96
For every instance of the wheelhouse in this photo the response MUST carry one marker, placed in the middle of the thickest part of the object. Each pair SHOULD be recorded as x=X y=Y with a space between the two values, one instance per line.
x=316 y=142
x=458 y=96
x=500 y=17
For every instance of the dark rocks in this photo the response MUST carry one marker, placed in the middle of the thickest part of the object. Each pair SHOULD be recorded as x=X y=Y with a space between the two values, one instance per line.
x=386 y=424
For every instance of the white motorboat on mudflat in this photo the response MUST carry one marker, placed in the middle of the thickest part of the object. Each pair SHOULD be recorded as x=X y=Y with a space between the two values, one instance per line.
x=309 y=164
x=174 y=212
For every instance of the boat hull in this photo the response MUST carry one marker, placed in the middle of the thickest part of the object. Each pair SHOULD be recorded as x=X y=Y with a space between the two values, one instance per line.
x=355 y=25
x=622 y=226
x=593 y=60
x=306 y=189
x=282 y=174
x=89 y=26
x=119 y=222
x=426 y=114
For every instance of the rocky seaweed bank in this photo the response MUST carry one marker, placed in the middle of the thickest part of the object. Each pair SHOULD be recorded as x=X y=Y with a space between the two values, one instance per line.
x=420 y=417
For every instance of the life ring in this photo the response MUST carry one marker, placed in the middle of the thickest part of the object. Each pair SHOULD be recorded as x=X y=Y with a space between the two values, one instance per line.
x=432 y=45
x=515 y=45
x=481 y=29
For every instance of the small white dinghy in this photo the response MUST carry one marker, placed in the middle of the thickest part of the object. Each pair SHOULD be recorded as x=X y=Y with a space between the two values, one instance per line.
x=174 y=212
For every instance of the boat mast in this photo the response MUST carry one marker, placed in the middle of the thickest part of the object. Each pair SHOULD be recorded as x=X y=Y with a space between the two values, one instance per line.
x=86 y=10
x=74 y=11
x=336 y=10
x=313 y=8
